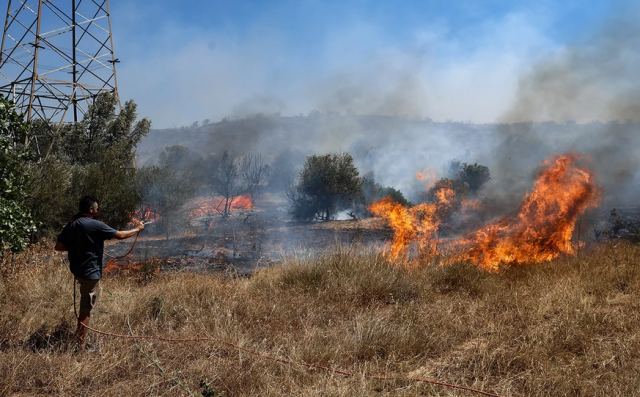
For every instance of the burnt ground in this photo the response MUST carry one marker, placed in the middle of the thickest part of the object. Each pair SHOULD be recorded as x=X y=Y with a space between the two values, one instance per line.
x=243 y=242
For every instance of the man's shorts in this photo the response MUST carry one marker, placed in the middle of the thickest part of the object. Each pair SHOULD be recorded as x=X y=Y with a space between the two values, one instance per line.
x=88 y=295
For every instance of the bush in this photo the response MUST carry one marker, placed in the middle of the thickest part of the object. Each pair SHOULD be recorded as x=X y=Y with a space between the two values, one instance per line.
x=372 y=191
x=49 y=188
x=474 y=176
x=16 y=223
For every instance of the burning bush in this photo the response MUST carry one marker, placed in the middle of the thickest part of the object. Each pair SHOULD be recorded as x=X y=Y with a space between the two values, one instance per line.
x=541 y=230
x=371 y=191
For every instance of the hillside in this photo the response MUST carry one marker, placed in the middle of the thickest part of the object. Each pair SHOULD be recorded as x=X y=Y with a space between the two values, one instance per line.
x=395 y=148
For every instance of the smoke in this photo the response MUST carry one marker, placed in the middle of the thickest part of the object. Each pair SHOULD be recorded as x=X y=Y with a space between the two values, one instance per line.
x=387 y=85
x=585 y=98
x=594 y=80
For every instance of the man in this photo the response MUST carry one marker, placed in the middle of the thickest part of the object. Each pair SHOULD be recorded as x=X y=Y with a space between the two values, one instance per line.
x=84 y=238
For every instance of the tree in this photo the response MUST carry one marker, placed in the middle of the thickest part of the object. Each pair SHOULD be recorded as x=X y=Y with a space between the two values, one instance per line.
x=254 y=171
x=102 y=129
x=16 y=223
x=50 y=193
x=95 y=156
x=226 y=180
x=326 y=183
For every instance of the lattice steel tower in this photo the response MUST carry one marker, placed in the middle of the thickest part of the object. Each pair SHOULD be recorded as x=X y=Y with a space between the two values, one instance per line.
x=56 y=56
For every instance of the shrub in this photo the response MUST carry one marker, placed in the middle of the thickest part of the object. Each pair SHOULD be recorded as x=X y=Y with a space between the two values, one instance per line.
x=16 y=223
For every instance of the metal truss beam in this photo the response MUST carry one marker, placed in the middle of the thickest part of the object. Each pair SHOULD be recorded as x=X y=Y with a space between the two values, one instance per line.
x=56 y=56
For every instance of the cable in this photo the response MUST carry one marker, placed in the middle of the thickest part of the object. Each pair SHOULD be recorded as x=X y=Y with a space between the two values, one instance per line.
x=291 y=362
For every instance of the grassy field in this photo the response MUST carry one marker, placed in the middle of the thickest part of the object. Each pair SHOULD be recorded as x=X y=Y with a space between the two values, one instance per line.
x=569 y=327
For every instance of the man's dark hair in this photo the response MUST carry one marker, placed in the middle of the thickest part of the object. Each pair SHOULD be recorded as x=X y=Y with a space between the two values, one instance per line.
x=85 y=204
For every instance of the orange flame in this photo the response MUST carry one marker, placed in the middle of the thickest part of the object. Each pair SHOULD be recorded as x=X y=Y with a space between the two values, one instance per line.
x=543 y=228
x=541 y=231
x=428 y=176
x=419 y=223
x=215 y=205
x=242 y=203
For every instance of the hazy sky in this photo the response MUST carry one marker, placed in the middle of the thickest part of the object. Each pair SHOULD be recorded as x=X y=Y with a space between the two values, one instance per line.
x=447 y=60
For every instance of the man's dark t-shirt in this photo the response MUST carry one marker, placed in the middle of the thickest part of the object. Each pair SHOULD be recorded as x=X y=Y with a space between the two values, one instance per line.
x=84 y=238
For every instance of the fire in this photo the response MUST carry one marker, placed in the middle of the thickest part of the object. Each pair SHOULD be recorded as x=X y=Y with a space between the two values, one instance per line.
x=400 y=219
x=241 y=203
x=543 y=228
x=418 y=224
x=541 y=231
x=428 y=176
x=202 y=207
x=146 y=214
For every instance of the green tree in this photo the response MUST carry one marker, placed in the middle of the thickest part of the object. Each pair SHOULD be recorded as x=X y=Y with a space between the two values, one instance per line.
x=326 y=183
x=16 y=223
x=95 y=156
x=49 y=193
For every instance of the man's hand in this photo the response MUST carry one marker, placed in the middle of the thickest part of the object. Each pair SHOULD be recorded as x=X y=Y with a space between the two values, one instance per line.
x=122 y=234
x=138 y=224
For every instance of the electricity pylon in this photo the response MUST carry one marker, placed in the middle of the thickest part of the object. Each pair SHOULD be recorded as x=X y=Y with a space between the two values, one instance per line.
x=56 y=57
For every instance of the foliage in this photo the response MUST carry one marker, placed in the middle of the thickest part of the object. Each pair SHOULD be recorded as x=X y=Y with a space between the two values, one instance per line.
x=460 y=188
x=102 y=132
x=372 y=191
x=326 y=183
x=473 y=175
x=95 y=157
x=50 y=192
x=167 y=187
x=16 y=223
x=112 y=181
x=464 y=179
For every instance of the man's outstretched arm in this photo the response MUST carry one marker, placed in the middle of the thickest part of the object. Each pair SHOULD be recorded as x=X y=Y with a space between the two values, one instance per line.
x=123 y=234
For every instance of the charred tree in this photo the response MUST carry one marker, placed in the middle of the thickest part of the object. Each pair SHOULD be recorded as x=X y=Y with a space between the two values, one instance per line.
x=253 y=171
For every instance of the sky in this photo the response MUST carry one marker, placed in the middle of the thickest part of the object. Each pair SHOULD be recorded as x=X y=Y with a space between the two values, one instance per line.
x=189 y=61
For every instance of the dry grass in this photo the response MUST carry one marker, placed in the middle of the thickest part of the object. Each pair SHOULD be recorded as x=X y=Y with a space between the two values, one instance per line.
x=565 y=328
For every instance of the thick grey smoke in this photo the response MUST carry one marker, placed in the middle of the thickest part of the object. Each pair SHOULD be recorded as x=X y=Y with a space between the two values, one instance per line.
x=592 y=89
